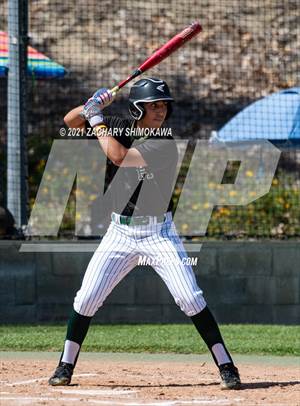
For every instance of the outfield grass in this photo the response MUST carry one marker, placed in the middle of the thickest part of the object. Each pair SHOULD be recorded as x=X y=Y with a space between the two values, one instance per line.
x=176 y=338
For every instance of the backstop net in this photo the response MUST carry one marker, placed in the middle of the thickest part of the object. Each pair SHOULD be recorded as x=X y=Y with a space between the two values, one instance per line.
x=247 y=51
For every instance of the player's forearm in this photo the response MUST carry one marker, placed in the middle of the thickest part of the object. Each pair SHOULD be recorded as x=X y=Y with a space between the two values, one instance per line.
x=73 y=119
x=116 y=152
x=111 y=147
x=133 y=158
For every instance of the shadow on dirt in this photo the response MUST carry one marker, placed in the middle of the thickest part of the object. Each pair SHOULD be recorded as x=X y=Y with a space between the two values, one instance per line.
x=264 y=385
x=170 y=385
x=245 y=386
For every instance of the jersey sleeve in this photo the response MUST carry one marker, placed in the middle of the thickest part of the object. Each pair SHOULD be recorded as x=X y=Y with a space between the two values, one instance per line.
x=118 y=126
x=158 y=153
x=113 y=122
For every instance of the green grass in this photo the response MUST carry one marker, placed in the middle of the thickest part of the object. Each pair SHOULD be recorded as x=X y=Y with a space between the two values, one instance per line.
x=176 y=338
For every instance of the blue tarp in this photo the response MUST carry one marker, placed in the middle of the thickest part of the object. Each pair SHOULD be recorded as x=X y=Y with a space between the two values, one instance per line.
x=275 y=117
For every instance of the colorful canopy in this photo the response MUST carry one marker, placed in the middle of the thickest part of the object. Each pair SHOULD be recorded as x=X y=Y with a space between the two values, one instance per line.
x=39 y=65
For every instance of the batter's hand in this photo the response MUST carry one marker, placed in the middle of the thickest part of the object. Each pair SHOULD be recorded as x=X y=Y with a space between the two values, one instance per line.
x=104 y=97
x=92 y=112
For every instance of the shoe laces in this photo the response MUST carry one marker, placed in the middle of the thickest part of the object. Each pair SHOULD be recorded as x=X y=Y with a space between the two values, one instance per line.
x=229 y=370
x=65 y=366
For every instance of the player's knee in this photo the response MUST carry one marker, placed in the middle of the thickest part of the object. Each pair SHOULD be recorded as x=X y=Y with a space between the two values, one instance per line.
x=192 y=305
x=86 y=306
x=83 y=311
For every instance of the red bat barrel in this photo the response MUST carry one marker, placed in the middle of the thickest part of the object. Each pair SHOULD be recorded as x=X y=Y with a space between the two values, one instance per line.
x=171 y=46
x=163 y=52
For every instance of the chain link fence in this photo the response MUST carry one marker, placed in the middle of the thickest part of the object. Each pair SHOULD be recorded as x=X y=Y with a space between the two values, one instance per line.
x=247 y=50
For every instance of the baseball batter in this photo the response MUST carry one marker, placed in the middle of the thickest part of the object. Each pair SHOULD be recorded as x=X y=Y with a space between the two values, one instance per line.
x=140 y=177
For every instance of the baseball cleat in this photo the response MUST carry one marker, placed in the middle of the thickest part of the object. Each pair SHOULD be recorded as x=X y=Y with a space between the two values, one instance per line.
x=62 y=375
x=230 y=377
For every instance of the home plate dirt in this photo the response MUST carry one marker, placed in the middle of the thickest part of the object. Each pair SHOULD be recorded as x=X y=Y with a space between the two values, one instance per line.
x=145 y=379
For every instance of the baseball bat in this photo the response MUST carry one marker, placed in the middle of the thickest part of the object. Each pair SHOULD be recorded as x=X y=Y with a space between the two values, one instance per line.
x=163 y=52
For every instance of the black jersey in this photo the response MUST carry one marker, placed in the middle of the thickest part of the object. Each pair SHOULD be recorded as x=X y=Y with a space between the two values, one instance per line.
x=148 y=189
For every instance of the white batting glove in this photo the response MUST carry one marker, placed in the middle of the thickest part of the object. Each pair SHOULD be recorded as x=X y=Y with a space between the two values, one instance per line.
x=92 y=112
x=103 y=97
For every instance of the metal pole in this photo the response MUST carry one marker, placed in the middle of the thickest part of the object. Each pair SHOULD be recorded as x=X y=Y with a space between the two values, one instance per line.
x=16 y=111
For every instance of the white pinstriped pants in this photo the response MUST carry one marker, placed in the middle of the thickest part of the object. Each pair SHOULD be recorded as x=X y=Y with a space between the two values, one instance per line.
x=119 y=252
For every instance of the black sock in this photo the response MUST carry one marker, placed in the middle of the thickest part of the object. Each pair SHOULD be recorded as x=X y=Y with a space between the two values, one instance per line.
x=78 y=326
x=207 y=327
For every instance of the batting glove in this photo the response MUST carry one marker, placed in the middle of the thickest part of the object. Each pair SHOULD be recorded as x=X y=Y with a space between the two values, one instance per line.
x=103 y=97
x=92 y=112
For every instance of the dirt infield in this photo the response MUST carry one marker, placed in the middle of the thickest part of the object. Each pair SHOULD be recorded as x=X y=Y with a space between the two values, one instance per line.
x=144 y=379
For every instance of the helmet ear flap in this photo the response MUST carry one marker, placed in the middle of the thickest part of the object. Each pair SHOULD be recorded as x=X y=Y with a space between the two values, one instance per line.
x=141 y=106
x=137 y=110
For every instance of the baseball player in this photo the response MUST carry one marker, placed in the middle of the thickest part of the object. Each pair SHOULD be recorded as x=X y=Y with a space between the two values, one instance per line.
x=140 y=176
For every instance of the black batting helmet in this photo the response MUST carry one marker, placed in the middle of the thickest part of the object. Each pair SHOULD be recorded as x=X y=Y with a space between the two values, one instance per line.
x=145 y=91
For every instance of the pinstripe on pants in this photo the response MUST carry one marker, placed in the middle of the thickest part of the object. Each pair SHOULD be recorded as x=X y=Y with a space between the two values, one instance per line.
x=118 y=254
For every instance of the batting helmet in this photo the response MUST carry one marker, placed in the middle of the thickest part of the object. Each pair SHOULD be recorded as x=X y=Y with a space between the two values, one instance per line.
x=145 y=91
